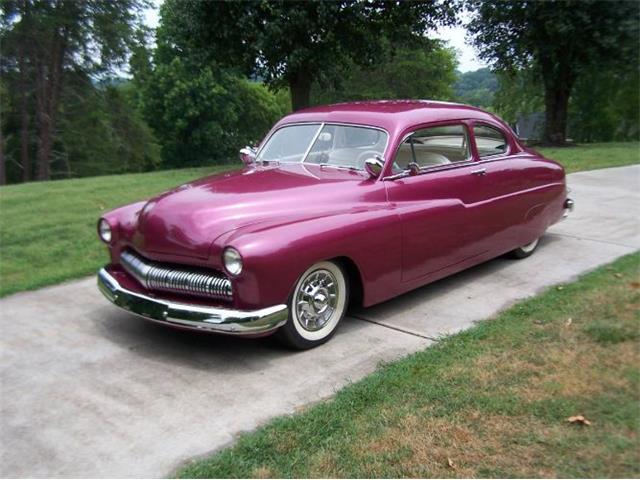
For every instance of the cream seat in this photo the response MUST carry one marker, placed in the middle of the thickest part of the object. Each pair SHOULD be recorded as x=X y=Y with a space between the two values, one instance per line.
x=424 y=157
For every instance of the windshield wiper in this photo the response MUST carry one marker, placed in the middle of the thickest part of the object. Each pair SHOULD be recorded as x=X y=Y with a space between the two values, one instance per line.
x=277 y=162
x=337 y=166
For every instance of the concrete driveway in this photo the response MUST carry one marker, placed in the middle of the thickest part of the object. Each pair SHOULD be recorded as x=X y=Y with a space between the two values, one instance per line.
x=90 y=391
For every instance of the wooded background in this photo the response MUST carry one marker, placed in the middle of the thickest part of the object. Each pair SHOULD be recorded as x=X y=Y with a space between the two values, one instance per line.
x=86 y=89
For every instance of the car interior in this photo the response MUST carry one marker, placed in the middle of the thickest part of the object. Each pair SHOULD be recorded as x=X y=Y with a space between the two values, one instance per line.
x=489 y=141
x=347 y=147
x=431 y=147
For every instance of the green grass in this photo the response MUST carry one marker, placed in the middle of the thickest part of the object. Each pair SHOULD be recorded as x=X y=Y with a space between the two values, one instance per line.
x=594 y=156
x=489 y=402
x=48 y=230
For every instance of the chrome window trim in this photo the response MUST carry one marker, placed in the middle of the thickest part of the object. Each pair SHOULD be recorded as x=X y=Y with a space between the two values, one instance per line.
x=493 y=158
x=438 y=168
x=322 y=124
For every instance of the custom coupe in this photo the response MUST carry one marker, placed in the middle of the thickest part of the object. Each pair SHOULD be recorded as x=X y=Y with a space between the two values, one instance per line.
x=339 y=204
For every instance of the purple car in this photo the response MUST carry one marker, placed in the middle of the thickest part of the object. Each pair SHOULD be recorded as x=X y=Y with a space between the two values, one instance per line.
x=343 y=204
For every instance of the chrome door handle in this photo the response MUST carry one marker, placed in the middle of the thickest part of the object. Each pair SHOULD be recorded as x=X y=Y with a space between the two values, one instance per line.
x=480 y=171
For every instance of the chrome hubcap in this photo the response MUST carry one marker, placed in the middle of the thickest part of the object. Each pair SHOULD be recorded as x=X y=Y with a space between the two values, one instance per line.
x=316 y=299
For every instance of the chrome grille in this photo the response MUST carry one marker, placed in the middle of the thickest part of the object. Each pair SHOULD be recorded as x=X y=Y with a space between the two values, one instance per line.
x=168 y=278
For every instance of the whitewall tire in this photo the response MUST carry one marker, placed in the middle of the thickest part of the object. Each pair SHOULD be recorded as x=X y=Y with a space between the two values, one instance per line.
x=525 y=250
x=316 y=307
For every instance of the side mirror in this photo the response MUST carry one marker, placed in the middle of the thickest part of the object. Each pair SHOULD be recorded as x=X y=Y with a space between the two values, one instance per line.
x=413 y=168
x=248 y=155
x=373 y=166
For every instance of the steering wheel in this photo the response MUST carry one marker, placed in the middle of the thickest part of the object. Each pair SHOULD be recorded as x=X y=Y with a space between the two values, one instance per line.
x=322 y=157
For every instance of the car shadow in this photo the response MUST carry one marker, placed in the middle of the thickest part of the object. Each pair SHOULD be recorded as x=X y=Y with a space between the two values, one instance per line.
x=202 y=350
x=452 y=283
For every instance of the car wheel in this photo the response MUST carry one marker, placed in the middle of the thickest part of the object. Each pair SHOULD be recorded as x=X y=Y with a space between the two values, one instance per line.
x=525 y=250
x=316 y=307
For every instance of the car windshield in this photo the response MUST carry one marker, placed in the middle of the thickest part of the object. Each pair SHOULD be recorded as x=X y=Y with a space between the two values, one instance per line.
x=324 y=144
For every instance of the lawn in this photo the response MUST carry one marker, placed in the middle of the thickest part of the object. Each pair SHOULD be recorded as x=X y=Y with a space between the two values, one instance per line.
x=594 y=156
x=47 y=230
x=493 y=401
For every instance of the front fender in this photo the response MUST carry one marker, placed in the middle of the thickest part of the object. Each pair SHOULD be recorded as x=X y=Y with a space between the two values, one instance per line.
x=125 y=220
x=275 y=256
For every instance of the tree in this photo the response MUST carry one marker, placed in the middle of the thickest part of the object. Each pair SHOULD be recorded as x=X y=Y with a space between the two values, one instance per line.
x=476 y=88
x=561 y=39
x=519 y=94
x=422 y=69
x=295 y=43
x=43 y=40
x=101 y=132
x=3 y=158
x=203 y=114
x=605 y=105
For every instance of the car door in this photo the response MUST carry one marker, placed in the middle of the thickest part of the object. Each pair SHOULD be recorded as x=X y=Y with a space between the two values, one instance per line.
x=441 y=207
x=510 y=182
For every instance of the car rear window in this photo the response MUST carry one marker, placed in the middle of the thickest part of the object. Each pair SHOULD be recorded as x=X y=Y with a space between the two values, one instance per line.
x=489 y=141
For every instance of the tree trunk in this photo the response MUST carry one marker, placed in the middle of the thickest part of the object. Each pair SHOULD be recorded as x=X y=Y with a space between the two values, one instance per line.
x=44 y=147
x=3 y=168
x=44 y=123
x=24 y=121
x=47 y=94
x=558 y=82
x=300 y=88
x=555 y=119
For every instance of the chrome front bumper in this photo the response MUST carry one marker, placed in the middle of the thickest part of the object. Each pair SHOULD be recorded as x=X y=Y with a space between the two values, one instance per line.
x=196 y=317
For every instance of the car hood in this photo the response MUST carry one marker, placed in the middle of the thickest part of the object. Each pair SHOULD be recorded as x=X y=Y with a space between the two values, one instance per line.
x=186 y=221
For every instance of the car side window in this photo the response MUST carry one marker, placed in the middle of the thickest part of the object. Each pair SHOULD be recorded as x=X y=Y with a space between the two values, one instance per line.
x=489 y=141
x=434 y=146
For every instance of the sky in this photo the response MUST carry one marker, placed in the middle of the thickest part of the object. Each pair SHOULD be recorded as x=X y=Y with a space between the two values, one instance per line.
x=468 y=60
x=455 y=36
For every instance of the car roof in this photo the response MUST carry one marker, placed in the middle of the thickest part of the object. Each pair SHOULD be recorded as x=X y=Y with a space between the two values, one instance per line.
x=394 y=116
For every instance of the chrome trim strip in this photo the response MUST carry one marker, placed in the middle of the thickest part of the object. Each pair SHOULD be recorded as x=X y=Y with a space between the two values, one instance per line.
x=450 y=166
x=155 y=276
x=436 y=168
x=196 y=317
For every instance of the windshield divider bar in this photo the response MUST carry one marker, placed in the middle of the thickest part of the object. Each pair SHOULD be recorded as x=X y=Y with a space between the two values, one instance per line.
x=315 y=137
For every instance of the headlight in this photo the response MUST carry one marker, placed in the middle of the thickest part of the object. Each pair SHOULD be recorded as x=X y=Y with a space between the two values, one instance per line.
x=104 y=231
x=232 y=261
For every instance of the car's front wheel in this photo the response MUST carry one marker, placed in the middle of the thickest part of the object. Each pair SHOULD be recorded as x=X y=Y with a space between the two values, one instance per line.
x=525 y=250
x=316 y=307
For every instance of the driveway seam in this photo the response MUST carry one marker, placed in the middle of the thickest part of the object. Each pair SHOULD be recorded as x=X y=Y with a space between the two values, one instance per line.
x=591 y=239
x=401 y=330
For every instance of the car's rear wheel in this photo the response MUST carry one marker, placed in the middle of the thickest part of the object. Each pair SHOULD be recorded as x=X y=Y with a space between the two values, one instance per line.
x=525 y=250
x=316 y=307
